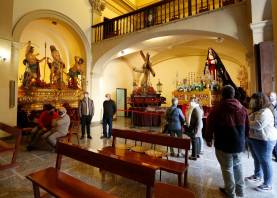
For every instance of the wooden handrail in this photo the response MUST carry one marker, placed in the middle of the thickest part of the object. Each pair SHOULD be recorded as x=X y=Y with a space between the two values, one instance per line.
x=155 y=14
x=134 y=12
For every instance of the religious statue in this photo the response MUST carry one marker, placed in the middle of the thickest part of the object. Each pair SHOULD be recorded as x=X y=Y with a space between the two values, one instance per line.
x=74 y=72
x=211 y=63
x=56 y=67
x=146 y=70
x=32 y=71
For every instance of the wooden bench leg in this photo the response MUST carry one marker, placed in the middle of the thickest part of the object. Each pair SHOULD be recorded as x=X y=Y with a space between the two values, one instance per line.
x=36 y=191
x=78 y=139
x=160 y=175
x=148 y=192
x=179 y=179
x=103 y=175
x=185 y=178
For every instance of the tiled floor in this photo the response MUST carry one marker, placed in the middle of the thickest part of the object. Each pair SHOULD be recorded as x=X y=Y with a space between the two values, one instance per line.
x=204 y=174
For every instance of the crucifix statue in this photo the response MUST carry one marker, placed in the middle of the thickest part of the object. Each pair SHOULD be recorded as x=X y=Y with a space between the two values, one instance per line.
x=146 y=70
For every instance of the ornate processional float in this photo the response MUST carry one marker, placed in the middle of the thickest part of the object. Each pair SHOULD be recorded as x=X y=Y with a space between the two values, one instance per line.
x=206 y=87
x=59 y=87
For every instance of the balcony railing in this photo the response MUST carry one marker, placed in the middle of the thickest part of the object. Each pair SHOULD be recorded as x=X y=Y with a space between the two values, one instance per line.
x=155 y=14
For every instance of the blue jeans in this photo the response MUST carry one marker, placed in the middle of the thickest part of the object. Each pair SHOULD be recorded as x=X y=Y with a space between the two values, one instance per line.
x=172 y=134
x=275 y=151
x=107 y=121
x=262 y=154
x=231 y=168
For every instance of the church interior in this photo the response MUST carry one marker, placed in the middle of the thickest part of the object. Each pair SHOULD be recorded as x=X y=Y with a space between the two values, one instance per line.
x=139 y=54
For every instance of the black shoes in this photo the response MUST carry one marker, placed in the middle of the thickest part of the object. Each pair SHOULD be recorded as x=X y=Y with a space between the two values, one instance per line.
x=103 y=136
x=238 y=194
x=223 y=191
x=82 y=137
x=192 y=158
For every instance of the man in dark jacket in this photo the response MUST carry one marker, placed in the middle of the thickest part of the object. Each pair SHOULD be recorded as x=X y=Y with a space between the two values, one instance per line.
x=109 y=109
x=86 y=112
x=228 y=125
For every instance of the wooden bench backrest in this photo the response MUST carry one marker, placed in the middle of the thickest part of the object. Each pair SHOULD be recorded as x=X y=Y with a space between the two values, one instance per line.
x=144 y=174
x=9 y=129
x=153 y=138
x=15 y=147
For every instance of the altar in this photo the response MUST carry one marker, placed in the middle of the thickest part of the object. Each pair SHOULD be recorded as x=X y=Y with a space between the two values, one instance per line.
x=146 y=110
x=33 y=100
x=206 y=98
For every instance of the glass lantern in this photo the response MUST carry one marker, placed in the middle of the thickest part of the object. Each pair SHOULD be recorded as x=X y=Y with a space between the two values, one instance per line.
x=159 y=87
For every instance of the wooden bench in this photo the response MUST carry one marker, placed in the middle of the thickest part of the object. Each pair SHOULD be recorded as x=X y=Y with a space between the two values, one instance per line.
x=179 y=168
x=60 y=184
x=8 y=147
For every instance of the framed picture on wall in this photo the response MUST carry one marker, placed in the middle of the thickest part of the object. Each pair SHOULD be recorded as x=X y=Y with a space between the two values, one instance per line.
x=12 y=93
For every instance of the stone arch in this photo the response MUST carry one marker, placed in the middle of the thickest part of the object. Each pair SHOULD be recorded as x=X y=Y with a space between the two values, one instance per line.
x=102 y=61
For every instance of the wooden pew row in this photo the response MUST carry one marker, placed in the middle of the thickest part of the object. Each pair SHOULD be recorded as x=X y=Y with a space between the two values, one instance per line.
x=142 y=173
x=8 y=147
x=179 y=168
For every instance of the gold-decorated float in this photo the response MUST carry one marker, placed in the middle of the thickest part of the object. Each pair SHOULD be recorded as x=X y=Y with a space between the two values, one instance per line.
x=57 y=86
x=204 y=97
x=205 y=87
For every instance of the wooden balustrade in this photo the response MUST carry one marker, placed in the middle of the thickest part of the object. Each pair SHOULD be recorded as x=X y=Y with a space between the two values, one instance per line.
x=155 y=14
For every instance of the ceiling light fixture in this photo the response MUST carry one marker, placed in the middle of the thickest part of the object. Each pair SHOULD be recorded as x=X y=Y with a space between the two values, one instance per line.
x=219 y=40
x=3 y=59
x=3 y=55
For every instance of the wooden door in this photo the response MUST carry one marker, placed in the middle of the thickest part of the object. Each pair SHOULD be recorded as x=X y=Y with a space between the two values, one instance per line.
x=264 y=53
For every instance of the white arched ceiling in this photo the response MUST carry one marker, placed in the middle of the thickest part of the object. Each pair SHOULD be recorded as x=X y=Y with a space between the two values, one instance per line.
x=197 y=41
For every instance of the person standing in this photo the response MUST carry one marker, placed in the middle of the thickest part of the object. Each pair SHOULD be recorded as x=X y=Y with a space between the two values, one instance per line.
x=175 y=120
x=228 y=124
x=273 y=108
x=262 y=139
x=86 y=112
x=195 y=125
x=109 y=109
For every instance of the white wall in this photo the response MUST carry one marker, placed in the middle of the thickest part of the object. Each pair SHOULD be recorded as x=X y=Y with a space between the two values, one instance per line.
x=8 y=72
x=116 y=75
x=79 y=11
x=7 y=69
x=261 y=10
